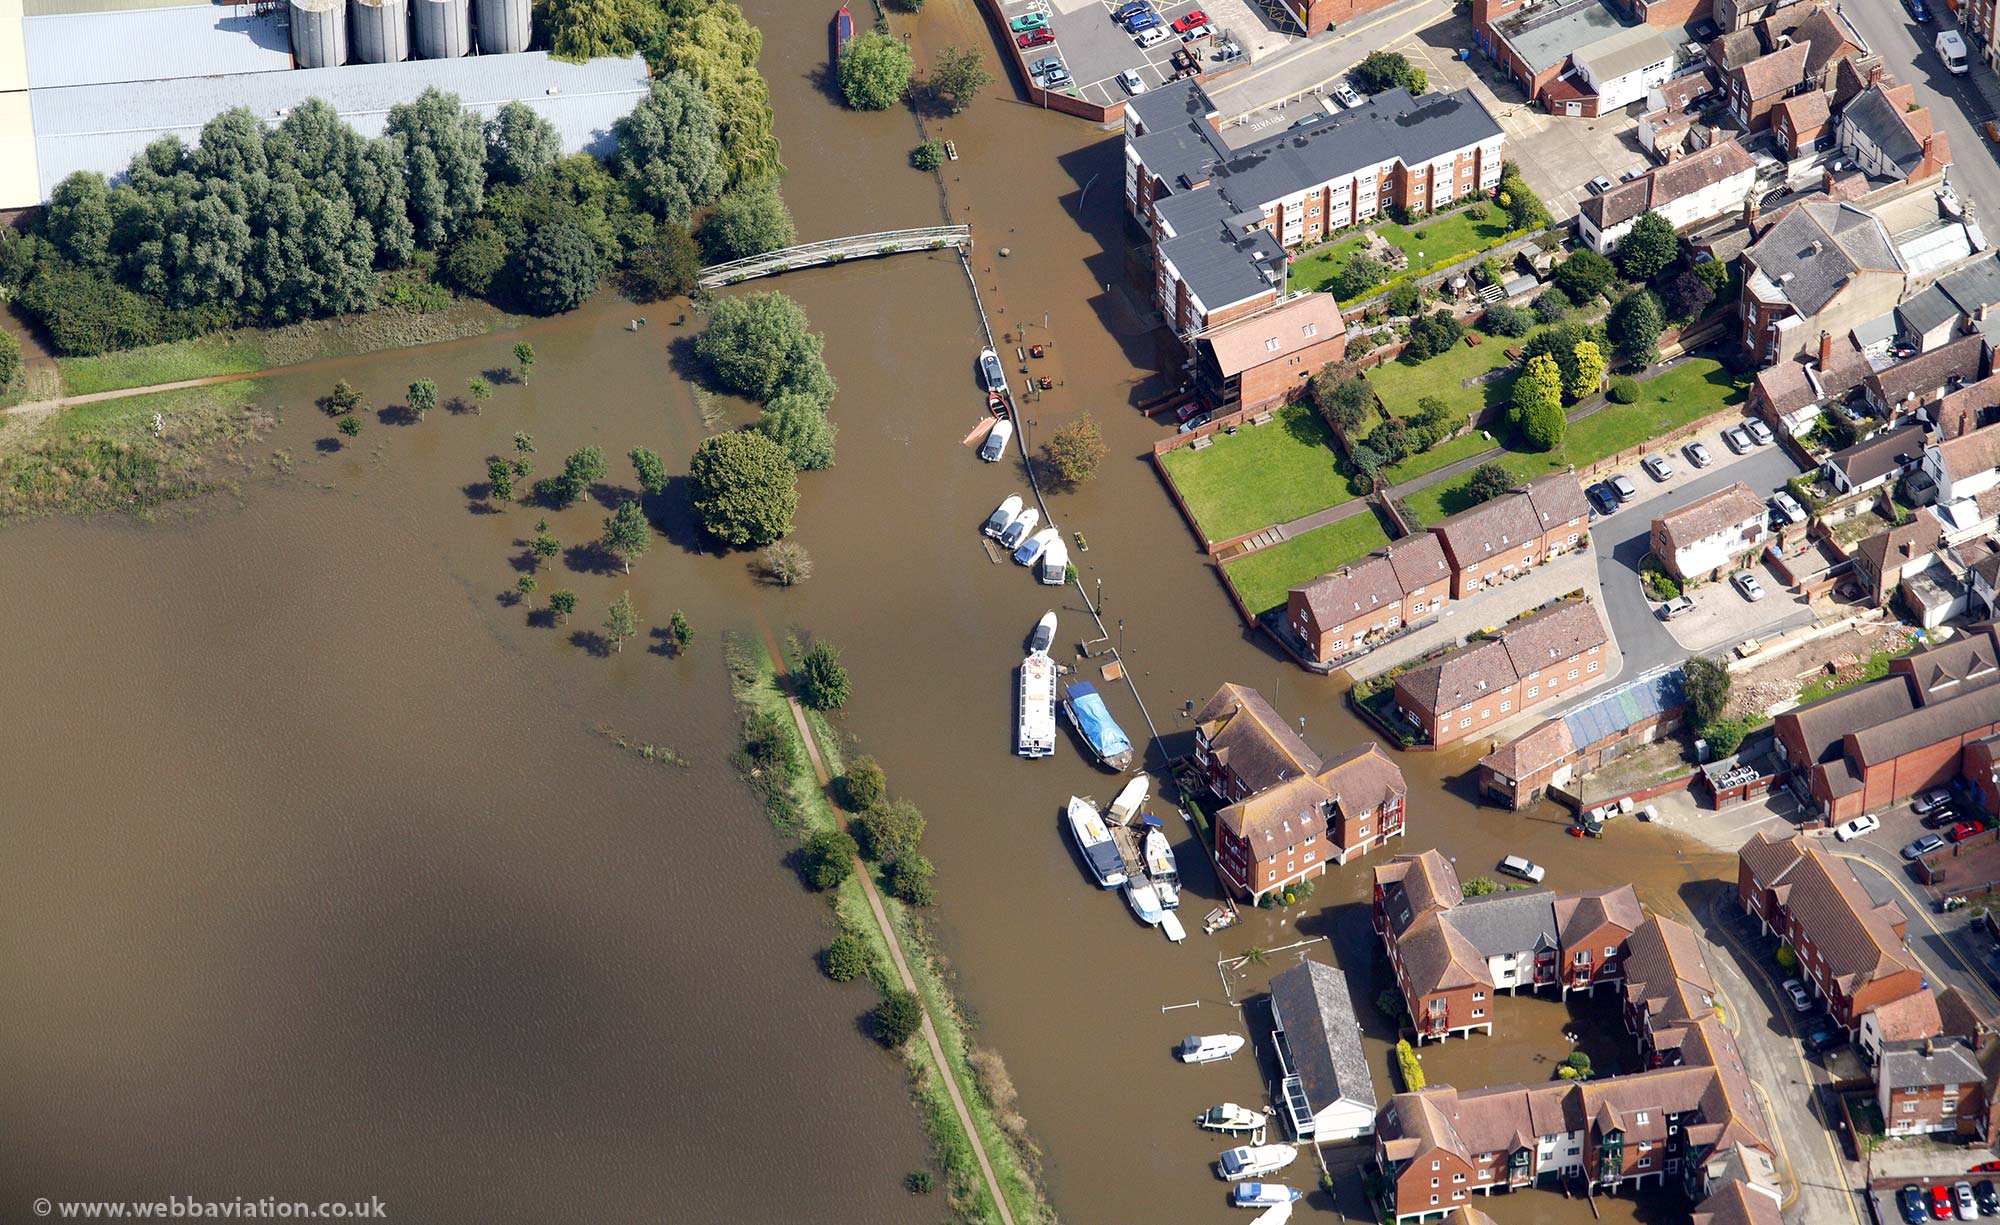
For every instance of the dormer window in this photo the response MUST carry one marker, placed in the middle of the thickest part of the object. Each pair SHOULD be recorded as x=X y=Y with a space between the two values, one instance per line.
x=1271 y=345
x=1309 y=331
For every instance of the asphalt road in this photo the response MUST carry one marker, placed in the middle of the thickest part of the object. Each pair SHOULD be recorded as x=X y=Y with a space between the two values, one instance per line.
x=1958 y=104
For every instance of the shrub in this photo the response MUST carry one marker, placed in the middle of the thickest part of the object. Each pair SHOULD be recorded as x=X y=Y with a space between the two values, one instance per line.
x=1409 y=1065
x=827 y=859
x=1504 y=320
x=1551 y=305
x=875 y=72
x=1579 y=1061
x=1406 y=299
x=1360 y=274
x=916 y=1182
x=10 y=360
x=1432 y=334
x=1583 y=275
x=1787 y=960
x=897 y=1018
x=1724 y=736
x=891 y=830
x=928 y=156
x=823 y=682
x=1624 y=390
x=1487 y=482
x=909 y=878
x=1478 y=886
x=864 y=785
x=846 y=959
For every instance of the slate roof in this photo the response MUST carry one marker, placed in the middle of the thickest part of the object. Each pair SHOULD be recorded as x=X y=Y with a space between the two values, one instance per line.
x=1949 y=1063
x=1866 y=461
x=1927 y=373
x=1879 y=115
x=1926 y=726
x=1706 y=516
x=1510 y=921
x=1250 y=737
x=1849 y=241
x=1324 y=1037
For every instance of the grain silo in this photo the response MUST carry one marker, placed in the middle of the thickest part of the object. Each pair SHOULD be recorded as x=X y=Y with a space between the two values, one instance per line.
x=319 y=33
x=381 y=31
x=444 y=28
x=504 y=25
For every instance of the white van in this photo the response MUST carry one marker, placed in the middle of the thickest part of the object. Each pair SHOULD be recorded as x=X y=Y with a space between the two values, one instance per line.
x=1951 y=49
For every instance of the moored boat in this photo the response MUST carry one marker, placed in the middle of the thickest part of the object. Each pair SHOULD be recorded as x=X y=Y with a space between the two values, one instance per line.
x=1160 y=868
x=1263 y=1194
x=843 y=33
x=1053 y=569
x=996 y=441
x=1035 y=729
x=1207 y=1048
x=1003 y=515
x=990 y=372
x=1229 y=1117
x=1094 y=723
x=1144 y=900
x=1032 y=547
x=1018 y=530
x=1044 y=636
x=1086 y=825
x=1130 y=797
x=1252 y=1161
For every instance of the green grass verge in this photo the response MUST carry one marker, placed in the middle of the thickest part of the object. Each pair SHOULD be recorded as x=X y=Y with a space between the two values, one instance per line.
x=1260 y=475
x=1263 y=578
x=204 y=357
x=1013 y=1159
x=1399 y=385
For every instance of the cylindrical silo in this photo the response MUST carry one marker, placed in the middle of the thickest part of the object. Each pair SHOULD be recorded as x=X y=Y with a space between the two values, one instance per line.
x=444 y=28
x=381 y=31
x=319 y=33
x=504 y=25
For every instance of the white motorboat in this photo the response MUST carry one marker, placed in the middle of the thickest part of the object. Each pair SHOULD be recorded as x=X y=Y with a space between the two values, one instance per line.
x=1263 y=1195
x=990 y=372
x=1035 y=732
x=1032 y=547
x=1229 y=1117
x=1093 y=839
x=1144 y=900
x=1130 y=797
x=1160 y=868
x=1255 y=1161
x=1053 y=569
x=996 y=441
x=1171 y=928
x=1044 y=636
x=1002 y=516
x=1018 y=530
x=1207 y=1048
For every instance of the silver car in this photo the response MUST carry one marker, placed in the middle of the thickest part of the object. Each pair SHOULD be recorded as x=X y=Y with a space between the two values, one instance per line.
x=1344 y=94
x=1747 y=583
x=1657 y=467
x=1759 y=432
x=1789 y=507
x=1698 y=455
x=1737 y=439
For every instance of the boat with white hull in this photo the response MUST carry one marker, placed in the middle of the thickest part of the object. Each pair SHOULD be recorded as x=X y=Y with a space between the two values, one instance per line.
x=1035 y=731
x=1144 y=900
x=1208 y=1048
x=1093 y=840
x=1130 y=797
x=1263 y=1195
x=996 y=441
x=1255 y=1161
x=1044 y=636
x=1053 y=569
x=1003 y=516
x=1094 y=723
x=1160 y=868
x=1032 y=547
x=991 y=374
x=1229 y=1117
x=1018 y=530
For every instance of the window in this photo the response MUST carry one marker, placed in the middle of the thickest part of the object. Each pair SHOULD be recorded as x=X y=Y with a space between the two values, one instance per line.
x=1458 y=1178
x=1486 y=1173
x=1271 y=345
x=1610 y=951
x=1478 y=1012
x=1311 y=329
x=1534 y=691
x=1478 y=995
x=1592 y=667
x=1464 y=723
x=1434 y=1199
x=1645 y=1163
x=1642 y=1117
x=1436 y=1165
x=1458 y=1195
x=1572 y=673
x=1909 y=1107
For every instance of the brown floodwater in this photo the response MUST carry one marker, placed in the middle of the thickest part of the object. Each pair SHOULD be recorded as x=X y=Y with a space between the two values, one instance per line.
x=327 y=878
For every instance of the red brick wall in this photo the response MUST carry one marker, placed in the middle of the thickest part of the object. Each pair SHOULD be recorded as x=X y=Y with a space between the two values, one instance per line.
x=1978 y=769
x=1276 y=380
x=1322 y=15
x=1414 y=1189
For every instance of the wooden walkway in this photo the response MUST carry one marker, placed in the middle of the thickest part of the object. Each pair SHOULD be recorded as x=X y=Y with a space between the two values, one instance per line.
x=836 y=250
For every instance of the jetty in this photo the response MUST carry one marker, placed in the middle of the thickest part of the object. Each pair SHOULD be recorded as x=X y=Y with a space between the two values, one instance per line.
x=836 y=250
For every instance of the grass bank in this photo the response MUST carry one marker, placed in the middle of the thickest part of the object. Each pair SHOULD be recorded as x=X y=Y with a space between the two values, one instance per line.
x=1263 y=577
x=800 y=805
x=133 y=454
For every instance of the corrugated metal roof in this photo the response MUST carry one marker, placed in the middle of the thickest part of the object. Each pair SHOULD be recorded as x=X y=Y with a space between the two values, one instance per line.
x=1624 y=707
x=13 y=63
x=101 y=127
x=52 y=8
x=198 y=41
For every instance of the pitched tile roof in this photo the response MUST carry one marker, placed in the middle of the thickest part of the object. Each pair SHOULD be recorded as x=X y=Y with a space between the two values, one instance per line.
x=1926 y=726
x=1811 y=250
x=1353 y=592
x=1417 y=884
x=1570 y=628
x=1969 y=661
x=1536 y=749
x=1510 y=921
x=1558 y=498
x=1666 y=974
x=1807 y=113
x=1736 y=1203
x=1706 y=516
x=1325 y=1039
x=1664 y=184
x=1822 y=724
x=1856 y=938
x=1973 y=453
x=1419 y=562
x=1522 y=648
x=1280 y=816
x=1437 y=957
x=1875 y=458
x=1736 y=48
x=1362 y=779
x=1488 y=528
x=1930 y=373
x=1906 y=542
x=1909 y=1018
x=1580 y=914
x=1246 y=734
x=1774 y=73
x=1825 y=36
x=1308 y=319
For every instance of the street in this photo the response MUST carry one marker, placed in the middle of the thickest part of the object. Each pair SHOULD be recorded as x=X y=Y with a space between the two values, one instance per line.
x=1958 y=104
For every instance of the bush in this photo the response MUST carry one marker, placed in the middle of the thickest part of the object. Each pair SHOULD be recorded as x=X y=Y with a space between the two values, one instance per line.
x=1635 y=325
x=823 y=682
x=909 y=879
x=1406 y=299
x=10 y=360
x=1432 y=334
x=1504 y=320
x=1579 y=1061
x=1787 y=960
x=743 y=488
x=85 y=313
x=864 y=785
x=1487 y=482
x=1583 y=275
x=1409 y=1065
x=827 y=859
x=1624 y=390
x=1551 y=305
x=1478 y=886
x=1388 y=69
x=845 y=960
x=928 y=156
x=666 y=265
x=1525 y=210
x=897 y=1018
x=916 y=1182
x=875 y=72
x=1658 y=583
x=889 y=831
x=1389 y=1002
x=558 y=267
x=1724 y=736
x=1360 y=274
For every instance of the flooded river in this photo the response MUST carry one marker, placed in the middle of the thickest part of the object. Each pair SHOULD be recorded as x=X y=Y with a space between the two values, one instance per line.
x=327 y=877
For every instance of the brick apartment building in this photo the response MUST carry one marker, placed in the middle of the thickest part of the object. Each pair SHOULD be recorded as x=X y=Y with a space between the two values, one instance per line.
x=1668 y=989
x=1485 y=683
x=1242 y=745
x=1507 y=536
x=1290 y=831
x=1348 y=611
x=1265 y=358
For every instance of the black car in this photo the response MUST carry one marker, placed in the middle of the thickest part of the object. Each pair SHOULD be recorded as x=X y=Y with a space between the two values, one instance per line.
x=1824 y=1038
x=1603 y=499
x=1911 y=1200
x=1941 y=818
x=1989 y=1199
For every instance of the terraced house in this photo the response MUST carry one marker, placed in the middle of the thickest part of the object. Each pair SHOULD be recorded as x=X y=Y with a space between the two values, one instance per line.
x=1507 y=536
x=1452 y=953
x=1348 y=611
x=1484 y=683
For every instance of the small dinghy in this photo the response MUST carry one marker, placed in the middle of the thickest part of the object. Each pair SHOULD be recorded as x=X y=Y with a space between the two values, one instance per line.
x=996 y=441
x=1002 y=516
x=1032 y=547
x=1018 y=530
x=1144 y=900
x=1255 y=1161
x=1229 y=1117
x=1044 y=636
x=1130 y=797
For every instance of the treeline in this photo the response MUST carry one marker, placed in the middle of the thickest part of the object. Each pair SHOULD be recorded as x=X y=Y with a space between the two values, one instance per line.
x=264 y=225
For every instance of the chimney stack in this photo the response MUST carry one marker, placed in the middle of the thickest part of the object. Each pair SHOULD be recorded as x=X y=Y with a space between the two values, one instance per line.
x=1825 y=349
x=1874 y=74
x=1752 y=208
x=1983 y=308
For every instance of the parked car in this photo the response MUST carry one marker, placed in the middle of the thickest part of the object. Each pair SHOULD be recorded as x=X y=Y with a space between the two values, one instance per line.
x=1677 y=606
x=1919 y=11
x=1306 y=121
x=1035 y=38
x=1759 y=432
x=1961 y=1194
x=1043 y=64
x=1151 y=35
x=1936 y=797
x=1825 y=1038
x=1866 y=823
x=1603 y=498
x=1630 y=173
x=1189 y=20
x=1698 y=455
x=1940 y=1203
x=1789 y=507
x=1600 y=185
x=1925 y=845
x=1989 y=1199
x=1963 y=830
x=1028 y=21
x=1196 y=33
x=1146 y=19
x=1056 y=76
x=1801 y=1002
x=1911 y=1200
x=1941 y=818
x=1125 y=12
x=1130 y=80
x=1737 y=439
x=1657 y=467
x=1622 y=486
x=1747 y=583
x=1196 y=422
x=1526 y=869
x=1344 y=94
x=1187 y=410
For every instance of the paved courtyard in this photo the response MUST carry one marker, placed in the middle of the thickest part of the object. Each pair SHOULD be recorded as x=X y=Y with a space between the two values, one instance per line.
x=1095 y=49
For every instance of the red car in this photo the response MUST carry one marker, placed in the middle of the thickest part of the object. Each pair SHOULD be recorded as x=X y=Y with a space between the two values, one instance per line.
x=1963 y=830
x=1183 y=24
x=1036 y=38
x=1941 y=1209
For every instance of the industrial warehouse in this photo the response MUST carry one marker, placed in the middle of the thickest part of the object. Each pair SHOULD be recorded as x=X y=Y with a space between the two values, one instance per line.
x=87 y=90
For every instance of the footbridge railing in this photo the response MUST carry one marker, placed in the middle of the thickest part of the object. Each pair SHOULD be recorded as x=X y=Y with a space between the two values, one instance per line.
x=835 y=250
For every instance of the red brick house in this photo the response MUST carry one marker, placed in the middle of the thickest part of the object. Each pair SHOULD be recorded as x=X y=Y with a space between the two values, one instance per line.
x=1506 y=537
x=1668 y=989
x=1850 y=950
x=1755 y=88
x=1264 y=359
x=1290 y=831
x=1935 y=1085
x=1981 y=767
x=1242 y=745
x=1349 y=610
x=1593 y=927
x=1485 y=683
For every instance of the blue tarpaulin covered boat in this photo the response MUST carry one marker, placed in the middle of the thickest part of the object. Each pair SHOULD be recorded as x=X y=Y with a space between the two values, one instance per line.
x=1094 y=723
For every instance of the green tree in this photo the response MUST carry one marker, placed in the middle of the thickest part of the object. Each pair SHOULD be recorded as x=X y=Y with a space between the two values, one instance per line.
x=1525 y=210
x=481 y=390
x=666 y=265
x=716 y=45
x=500 y=477
x=1686 y=295
x=544 y=546
x=1635 y=325
x=1075 y=450
x=957 y=77
x=864 y=784
x=10 y=360
x=1504 y=320
x=1550 y=306
x=897 y=1018
x=651 y=470
x=748 y=222
x=743 y=488
x=846 y=959
x=890 y=830
x=1487 y=482
x=350 y=426
x=627 y=534
x=557 y=267
x=1559 y=342
x=1388 y=69
x=423 y=397
x=344 y=398
x=563 y=602
x=823 y=682
x=476 y=259
x=524 y=357
x=77 y=220
x=1648 y=247
x=1357 y=276
x=682 y=631
x=909 y=879
x=799 y=424
x=1589 y=370
x=524 y=444
x=761 y=345
x=621 y=622
x=1583 y=275
x=1343 y=396
x=444 y=150
x=875 y=72
x=526 y=585
x=1540 y=383
x=827 y=859
x=520 y=144
x=928 y=156
x=582 y=468
x=1478 y=886
x=1706 y=683
x=670 y=149
x=580 y=30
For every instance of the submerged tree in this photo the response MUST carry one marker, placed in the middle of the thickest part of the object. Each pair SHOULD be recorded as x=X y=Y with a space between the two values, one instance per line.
x=524 y=357
x=621 y=622
x=423 y=397
x=627 y=534
x=563 y=602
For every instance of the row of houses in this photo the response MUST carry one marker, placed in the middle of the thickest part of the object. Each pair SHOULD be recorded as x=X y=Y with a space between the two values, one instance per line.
x=1527 y=663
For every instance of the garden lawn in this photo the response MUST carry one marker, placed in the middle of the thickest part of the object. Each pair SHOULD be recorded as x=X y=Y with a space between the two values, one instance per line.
x=1260 y=475
x=1446 y=240
x=1263 y=578
x=1400 y=385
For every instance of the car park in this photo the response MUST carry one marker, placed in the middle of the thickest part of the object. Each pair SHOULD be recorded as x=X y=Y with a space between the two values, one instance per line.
x=1189 y=20
x=1130 y=80
x=1603 y=499
x=1344 y=94
x=1035 y=38
x=1600 y=185
x=1759 y=432
x=1789 y=507
x=1963 y=830
x=1866 y=823
x=1824 y=1038
x=1028 y=21
x=1926 y=845
x=1961 y=1196
x=1737 y=439
x=1622 y=486
x=1657 y=467
x=1801 y=1002
x=1746 y=583
x=1698 y=455
x=1152 y=35
x=1911 y=1200
x=1677 y=606
x=1940 y=1203
x=1936 y=797
x=1526 y=869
